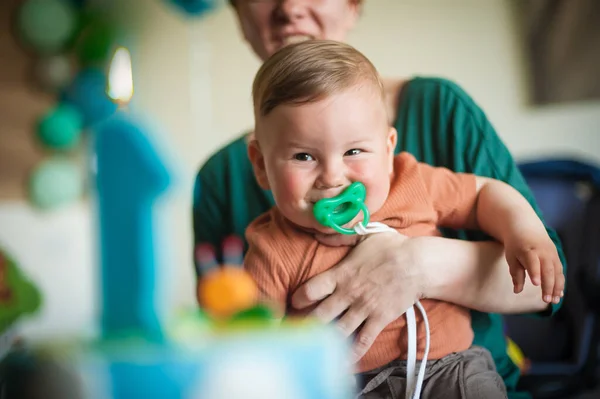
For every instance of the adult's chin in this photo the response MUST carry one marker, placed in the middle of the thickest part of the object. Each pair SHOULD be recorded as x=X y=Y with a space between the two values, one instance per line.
x=265 y=50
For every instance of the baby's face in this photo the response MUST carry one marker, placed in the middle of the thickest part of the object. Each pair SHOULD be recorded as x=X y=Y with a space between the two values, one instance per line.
x=316 y=150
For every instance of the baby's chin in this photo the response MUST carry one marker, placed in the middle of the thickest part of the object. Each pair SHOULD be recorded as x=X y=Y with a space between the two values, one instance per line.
x=330 y=237
x=327 y=235
x=337 y=239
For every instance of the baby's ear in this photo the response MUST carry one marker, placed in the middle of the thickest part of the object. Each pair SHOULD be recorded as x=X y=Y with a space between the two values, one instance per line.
x=258 y=164
x=392 y=139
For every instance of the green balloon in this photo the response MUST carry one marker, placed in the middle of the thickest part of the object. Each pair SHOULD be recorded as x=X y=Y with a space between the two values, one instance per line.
x=46 y=25
x=55 y=182
x=61 y=127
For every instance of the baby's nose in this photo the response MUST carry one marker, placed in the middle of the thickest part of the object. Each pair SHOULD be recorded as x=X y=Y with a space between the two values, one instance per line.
x=332 y=176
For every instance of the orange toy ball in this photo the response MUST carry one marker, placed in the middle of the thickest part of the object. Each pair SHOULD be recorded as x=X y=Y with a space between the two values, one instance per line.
x=226 y=291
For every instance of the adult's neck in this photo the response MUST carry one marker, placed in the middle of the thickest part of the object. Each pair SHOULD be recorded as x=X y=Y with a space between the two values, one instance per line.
x=392 y=88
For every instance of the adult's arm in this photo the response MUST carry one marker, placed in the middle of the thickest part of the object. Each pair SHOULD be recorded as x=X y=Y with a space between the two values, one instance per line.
x=387 y=273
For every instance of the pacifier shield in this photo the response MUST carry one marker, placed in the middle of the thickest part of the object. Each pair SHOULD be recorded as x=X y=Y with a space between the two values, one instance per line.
x=339 y=210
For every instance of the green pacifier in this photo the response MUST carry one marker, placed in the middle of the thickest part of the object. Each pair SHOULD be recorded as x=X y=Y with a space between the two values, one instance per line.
x=337 y=211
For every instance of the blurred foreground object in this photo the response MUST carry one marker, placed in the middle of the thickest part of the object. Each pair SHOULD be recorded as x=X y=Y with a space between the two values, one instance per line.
x=306 y=362
x=226 y=291
x=18 y=295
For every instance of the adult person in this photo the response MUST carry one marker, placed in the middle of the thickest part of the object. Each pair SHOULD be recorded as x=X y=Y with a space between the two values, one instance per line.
x=439 y=124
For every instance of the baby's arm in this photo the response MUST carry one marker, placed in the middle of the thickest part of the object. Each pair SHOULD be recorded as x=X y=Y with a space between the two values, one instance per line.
x=465 y=201
x=502 y=212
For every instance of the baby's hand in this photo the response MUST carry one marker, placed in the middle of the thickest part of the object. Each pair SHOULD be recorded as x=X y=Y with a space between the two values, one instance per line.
x=538 y=257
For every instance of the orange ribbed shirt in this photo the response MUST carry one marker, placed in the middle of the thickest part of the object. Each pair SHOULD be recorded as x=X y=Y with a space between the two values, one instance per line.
x=422 y=198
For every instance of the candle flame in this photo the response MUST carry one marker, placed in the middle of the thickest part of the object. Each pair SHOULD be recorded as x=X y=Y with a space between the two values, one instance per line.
x=120 y=77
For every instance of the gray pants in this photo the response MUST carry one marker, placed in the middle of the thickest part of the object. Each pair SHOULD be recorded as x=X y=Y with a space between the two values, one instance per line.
x=470 y=374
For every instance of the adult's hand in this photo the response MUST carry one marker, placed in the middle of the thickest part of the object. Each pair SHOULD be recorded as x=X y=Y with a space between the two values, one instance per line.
x=375 y=284
x=387 y=273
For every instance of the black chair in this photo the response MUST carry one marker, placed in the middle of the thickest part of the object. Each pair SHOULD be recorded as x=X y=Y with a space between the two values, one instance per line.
x=563 y=350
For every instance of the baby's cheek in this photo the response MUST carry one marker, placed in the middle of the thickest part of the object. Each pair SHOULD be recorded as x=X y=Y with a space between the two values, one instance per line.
x=377 y=186
x=376 y=180
x=291 y=186
x=376 y=196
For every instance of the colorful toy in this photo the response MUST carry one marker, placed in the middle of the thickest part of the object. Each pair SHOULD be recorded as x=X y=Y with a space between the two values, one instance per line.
x=225 y=290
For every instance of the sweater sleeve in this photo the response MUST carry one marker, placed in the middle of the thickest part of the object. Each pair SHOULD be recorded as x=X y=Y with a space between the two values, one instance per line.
x=452 y=195
x=268 y=261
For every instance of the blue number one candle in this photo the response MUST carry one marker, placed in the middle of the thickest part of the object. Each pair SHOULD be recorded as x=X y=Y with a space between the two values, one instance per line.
x=130 y=177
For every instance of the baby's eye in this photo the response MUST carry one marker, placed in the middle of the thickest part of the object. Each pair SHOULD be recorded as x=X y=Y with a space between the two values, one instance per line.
x=303 y=156
x=354 y=151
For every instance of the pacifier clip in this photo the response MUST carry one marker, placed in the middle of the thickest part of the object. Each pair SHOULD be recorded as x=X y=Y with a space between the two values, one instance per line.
x=340 y=210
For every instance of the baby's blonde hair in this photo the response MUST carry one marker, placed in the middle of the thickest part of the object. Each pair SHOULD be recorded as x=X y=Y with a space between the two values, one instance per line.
x=310 y=71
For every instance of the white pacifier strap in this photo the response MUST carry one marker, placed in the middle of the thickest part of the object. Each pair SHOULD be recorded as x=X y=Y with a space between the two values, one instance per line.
x=414 y=379
x=412 y=346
